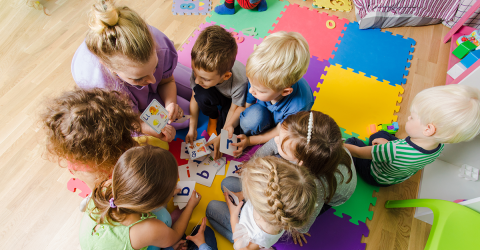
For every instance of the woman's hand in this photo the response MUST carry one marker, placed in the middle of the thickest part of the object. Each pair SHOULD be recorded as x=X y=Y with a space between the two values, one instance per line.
x=199 y=238
x=298 y=237
x=174 y=112
x=168 y=133
x=194 y=200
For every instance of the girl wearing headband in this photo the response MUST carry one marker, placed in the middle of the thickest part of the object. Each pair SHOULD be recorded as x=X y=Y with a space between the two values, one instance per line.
x=119 y=214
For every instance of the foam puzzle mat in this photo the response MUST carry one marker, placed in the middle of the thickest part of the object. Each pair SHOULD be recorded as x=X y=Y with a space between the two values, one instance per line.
x=191 y=7
x=375 y=53
x=355 y=101
x=262 y=21
x=245 y=45
x=340 y=5
x=330 y=232
x=314 y=27
x=316 y=69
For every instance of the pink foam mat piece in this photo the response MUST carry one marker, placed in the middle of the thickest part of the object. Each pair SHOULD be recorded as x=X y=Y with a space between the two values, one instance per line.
x=74 y=183
x=313 y=26
x=245 y=48
x=329 y=232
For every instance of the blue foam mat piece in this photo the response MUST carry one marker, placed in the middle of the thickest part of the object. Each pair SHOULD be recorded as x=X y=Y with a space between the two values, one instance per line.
x=375 y=53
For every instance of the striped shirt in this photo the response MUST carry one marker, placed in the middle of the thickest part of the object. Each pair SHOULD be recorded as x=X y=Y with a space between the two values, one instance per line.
x=396 y=161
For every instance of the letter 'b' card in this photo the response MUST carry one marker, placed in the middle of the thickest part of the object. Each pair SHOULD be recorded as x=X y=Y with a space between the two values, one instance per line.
x=226 y=143
x=186 y=189
x=155 y=115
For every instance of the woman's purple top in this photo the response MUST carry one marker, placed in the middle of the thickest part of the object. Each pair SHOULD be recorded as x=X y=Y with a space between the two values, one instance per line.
x=89 y=73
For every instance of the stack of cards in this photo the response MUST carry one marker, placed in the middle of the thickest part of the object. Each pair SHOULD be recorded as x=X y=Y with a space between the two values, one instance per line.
x=155 y=115
x=181 y=199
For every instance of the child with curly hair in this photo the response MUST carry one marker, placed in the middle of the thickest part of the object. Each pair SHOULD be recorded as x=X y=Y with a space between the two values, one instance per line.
x=280 y=197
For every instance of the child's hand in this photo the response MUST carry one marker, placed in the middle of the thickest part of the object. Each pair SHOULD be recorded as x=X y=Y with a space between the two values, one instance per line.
x=379 y=141
x=174 y=112
x=199 y=238
x=168 y=133
x=193 y=201
x=191 y=136
x=216 y=147
x=180 y=245
x=244 y=142
x=230 y=130
x=239 y=171
x=298 y=237
x=234 y=210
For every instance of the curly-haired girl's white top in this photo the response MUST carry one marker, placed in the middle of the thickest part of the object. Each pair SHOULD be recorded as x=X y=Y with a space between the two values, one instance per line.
x=247 y=231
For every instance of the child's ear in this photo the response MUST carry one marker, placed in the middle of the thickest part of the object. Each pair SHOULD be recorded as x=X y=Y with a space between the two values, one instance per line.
x=227 y=75
x=287 y=91
x=429 y=130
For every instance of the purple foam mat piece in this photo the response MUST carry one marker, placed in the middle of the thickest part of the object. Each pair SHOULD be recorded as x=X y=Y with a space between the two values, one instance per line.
x=315 y=70
x=247 y=153
x=245 y=48
x=189 y=7
x=329 y=232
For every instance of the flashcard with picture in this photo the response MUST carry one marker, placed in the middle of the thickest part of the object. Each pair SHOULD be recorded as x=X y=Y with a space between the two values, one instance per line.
x=217 y=164
x=198 y=149
x=155 y=115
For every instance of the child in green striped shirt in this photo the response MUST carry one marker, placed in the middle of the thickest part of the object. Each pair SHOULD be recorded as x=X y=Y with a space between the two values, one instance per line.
x=443 y=114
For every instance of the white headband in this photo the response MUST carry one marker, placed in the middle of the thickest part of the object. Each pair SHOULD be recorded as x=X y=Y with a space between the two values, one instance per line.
x=310 y=127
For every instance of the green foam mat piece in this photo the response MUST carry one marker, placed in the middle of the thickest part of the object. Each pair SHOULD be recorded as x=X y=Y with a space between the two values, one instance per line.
x=242 y=19
x=359 y=203
x=346 y=136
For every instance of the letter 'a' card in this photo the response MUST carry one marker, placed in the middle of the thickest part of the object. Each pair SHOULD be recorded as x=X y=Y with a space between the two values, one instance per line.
x=186 y=190
x=198 y=149
x=155 y=115
x=226 y=143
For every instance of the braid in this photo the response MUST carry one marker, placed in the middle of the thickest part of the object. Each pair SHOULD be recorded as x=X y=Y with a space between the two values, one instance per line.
x=274 y=195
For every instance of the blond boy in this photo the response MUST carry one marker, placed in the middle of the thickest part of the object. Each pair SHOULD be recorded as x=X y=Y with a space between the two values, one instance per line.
x=443 y=114
x=276 y=87
x=217 y=80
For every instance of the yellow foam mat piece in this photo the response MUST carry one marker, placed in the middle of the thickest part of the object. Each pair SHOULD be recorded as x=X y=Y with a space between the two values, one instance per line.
x=208 y=194
x=341 y=5
x=355 y=101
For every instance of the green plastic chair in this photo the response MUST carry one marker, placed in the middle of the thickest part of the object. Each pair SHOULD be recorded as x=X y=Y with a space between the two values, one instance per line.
x=454 y=226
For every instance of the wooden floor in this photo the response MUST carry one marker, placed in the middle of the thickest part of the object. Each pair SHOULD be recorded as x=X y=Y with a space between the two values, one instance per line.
x=36 y=209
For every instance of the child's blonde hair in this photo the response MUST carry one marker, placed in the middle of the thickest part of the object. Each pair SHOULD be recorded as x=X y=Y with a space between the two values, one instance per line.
x=118 y=30
x=280 y=60
x=453 y=109
x=282 y=193
x=143 y=180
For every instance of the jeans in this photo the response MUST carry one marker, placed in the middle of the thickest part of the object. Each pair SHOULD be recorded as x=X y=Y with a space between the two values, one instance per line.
x=209 y=239
x=256 y=119
x=363 y=166
x=217 y=211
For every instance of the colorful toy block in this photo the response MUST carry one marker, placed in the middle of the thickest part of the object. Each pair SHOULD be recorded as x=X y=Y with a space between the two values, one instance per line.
x=471 y=58
x=463 y=49
x=456 y=70
x=391 y=128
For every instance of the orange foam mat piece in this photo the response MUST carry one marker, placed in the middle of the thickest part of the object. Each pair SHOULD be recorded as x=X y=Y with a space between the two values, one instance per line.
x=355 y=101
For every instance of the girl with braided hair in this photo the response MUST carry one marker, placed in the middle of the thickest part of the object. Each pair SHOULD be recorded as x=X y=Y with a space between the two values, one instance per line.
x=280 y=196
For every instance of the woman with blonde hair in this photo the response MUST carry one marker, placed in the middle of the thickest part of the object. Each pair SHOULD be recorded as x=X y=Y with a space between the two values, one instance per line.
x=121 y=52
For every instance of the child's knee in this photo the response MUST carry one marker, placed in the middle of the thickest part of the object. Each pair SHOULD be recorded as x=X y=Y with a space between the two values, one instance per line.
x=255 y=119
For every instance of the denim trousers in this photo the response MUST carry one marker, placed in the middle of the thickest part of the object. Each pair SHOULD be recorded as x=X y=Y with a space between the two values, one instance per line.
x=255 y=120
x=217 y=211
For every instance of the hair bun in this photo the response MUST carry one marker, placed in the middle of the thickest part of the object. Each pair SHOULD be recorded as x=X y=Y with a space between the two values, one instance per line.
x=103 y=14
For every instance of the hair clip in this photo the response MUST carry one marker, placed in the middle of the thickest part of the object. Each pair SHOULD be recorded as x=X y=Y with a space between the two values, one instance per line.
x=310 y=127
x=112 y=205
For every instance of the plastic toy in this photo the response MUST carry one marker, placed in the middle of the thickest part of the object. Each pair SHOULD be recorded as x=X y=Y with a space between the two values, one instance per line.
x=463 y=49
x=331 y=24
x=456 y=70
x=474 y=37
x=189 y=7
x=391 y=128
x=471 y=58
x=249 y=31
x=468 y=172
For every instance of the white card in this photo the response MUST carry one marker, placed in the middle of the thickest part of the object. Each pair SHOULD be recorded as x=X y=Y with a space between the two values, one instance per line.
x=206 y=173
x=155 y=115
x=188 y=172
x=186 y=190
x=213 y=136
x=232 y=167
x=221 y=171
x=181 y=205
x=198 y=149
x=199 y=160
x=232 y=196
x=226 y=144
x=184 y=118
x=217 y=164
x=184 y=151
